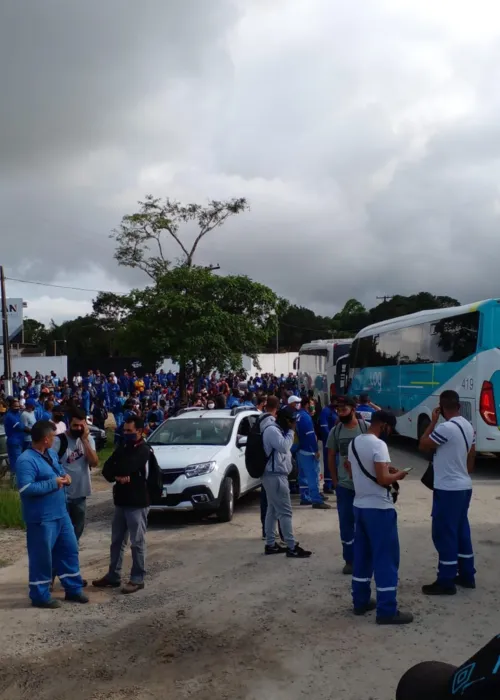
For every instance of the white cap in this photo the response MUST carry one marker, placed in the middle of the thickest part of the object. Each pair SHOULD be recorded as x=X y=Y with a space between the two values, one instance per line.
x=294 y=399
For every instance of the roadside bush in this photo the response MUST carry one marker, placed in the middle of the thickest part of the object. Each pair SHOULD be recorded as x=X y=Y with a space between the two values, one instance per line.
x=10 y=509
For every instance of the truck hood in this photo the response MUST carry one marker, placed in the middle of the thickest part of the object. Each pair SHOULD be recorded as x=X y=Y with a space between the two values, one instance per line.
x=180 y=456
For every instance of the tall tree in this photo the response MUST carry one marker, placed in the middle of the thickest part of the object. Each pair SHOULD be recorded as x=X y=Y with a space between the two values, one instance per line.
x=141 y=236
x=34 y=332
x=198 y=318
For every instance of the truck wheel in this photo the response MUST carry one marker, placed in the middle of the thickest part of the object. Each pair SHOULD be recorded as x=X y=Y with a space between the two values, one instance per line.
x=226 y=508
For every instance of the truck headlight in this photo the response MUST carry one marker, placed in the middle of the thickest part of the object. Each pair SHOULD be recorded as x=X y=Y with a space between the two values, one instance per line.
x=199 y=469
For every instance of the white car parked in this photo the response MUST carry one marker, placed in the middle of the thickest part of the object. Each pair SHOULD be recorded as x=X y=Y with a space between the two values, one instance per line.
x=201 y=454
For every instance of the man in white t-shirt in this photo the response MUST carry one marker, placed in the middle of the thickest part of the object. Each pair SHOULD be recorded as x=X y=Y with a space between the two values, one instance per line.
x=455 y=452
x=376 y=541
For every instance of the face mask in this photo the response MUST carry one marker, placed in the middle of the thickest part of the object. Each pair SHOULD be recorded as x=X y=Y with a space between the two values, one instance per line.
x=58 y=417
x=346 y=419
x=211 y=405
x=130 y=438
x=76 y=432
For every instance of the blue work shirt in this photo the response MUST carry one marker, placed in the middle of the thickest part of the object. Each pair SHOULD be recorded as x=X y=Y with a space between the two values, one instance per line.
x=41 y=497
x=327 y=420
x=14 y=429
x=308 y=443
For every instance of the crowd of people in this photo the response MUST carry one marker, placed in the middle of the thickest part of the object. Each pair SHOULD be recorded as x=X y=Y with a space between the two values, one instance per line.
x=52 y=452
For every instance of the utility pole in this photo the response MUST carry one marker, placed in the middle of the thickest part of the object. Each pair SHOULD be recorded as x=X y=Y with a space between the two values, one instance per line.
x=5 y=330
x=386 y=297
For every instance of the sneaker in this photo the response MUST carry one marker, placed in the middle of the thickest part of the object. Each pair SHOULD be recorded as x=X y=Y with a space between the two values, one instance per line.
x=105 y=582
x=76 y=598
x=50 y=604
x=298 y=553
x=132 y=587
x=321 y=506
x=274 y=549
x=437 y=588
x=369 y=607
x=465 y=583
x=400 y=618
x=347 y=570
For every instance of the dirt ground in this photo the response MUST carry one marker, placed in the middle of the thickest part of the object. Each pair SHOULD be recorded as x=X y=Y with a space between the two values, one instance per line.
x=219 y=620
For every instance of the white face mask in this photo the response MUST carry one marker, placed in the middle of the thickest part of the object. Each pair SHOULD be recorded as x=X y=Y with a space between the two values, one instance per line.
x=211 y=405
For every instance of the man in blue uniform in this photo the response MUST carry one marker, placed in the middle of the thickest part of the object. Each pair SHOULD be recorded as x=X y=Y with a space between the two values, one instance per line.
x=14 y=431
x=376 y=542
x=308 y=457
x=327 y=420
x=51 y=539
x=455 y=451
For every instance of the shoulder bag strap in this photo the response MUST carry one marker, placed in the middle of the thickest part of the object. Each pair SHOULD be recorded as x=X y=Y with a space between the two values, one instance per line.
x=462 y=431
x=361 y=466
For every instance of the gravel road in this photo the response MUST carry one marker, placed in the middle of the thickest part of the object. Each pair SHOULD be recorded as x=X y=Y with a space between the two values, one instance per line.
x=219 y=620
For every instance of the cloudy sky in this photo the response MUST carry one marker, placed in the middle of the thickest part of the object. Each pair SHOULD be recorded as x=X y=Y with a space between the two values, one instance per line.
x=365 y=135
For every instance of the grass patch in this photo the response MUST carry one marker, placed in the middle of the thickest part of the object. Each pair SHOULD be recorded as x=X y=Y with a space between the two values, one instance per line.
x=109 y=449
x=10 y=509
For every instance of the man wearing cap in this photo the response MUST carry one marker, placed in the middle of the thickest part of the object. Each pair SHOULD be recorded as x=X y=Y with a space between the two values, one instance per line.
x=376 y=542
x=308 y=458
x=477 y=679
x=337 y=443
x=277 y=430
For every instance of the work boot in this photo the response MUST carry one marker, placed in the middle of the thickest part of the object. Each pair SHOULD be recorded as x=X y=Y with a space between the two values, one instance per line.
x=274 y=549
x=465 y=583
x=50 y=604
x=76 y=598
x=437 y=588
x=347 y=570
x=369 y=607
x=132 y=587
x=298 y=553
x=325 y=498
x=330 y=491
x=321 y=506
x=105 y=582
x=304 y=503
x=400 y=618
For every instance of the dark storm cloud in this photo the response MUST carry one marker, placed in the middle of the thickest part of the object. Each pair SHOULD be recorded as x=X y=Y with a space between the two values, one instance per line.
x=366 y=142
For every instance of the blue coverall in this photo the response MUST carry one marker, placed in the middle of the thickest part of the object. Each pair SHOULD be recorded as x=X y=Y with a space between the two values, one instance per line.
x=51 y=539
x=327 y=419
x=307 y=461
x=14 y=431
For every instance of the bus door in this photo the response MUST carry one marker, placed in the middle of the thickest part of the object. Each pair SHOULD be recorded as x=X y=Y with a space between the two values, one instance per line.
x=339 y=386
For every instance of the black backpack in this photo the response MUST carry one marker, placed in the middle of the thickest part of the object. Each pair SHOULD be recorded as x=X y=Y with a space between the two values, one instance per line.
x=155 y=478
x=255 y=456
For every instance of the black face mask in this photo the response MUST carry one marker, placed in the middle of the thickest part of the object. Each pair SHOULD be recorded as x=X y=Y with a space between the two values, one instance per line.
x=58 y=417
x=76 y=433
x=384 y=435
x=346 y=419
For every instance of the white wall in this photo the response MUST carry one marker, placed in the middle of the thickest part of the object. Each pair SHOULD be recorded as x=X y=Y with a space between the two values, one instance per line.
x=41 y=364
x=272 y=363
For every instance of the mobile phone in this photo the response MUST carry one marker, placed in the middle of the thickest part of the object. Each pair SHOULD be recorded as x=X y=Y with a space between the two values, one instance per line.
x=407 y=469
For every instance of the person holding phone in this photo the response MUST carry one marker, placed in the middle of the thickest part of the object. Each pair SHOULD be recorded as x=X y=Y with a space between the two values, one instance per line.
x=376 y=541
x=453 y=444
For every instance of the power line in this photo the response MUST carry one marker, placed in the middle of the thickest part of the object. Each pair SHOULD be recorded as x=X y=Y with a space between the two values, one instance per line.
x=61 y=286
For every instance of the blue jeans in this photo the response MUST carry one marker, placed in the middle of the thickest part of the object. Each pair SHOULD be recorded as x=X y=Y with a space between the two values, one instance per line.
x=451 y=535
x=309 y=478
x=376 y=551
x=345 y=509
